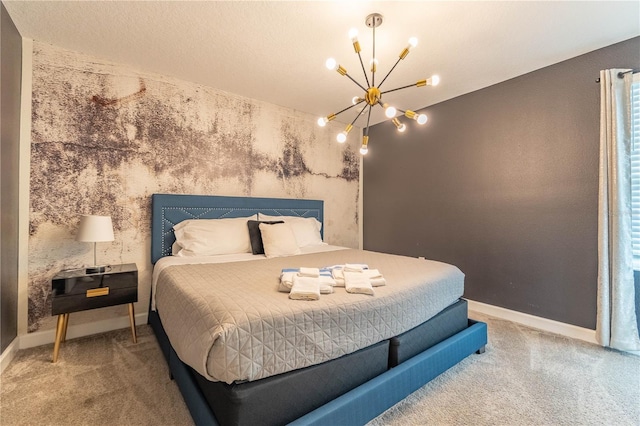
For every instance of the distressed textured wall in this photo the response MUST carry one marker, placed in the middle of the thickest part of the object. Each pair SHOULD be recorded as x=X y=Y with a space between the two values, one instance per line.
x=105 y=137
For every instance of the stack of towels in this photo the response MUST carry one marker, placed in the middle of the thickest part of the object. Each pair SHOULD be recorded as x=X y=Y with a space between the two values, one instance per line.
x=357 y=278
x=308 y=283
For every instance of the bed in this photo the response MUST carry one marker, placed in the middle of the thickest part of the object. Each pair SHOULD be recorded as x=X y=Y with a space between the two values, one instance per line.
x=343 y=359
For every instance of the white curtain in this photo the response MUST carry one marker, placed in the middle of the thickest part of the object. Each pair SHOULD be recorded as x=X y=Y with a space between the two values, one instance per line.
x=616 y=319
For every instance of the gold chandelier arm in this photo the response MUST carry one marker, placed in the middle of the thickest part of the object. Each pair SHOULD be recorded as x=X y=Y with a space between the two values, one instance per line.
x=332 y=116
x=366 y=131
x=434 y=80
x=390 y=71
x=417 y=84
x=359 y=114
x=363 y=69
x=352 y=79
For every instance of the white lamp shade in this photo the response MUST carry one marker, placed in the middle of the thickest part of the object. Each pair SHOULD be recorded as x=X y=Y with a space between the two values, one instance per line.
x=94 y=229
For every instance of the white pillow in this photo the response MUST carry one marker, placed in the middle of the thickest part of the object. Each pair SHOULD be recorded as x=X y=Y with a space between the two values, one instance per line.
x=278 y=240
x=305 y=229
x=210 y=237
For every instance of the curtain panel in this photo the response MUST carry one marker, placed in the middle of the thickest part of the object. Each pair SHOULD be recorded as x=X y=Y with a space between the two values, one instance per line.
x=616 y=318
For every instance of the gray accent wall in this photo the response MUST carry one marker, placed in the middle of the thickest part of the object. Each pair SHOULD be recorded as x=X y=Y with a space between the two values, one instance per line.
x=503 y=183
x=10 y=76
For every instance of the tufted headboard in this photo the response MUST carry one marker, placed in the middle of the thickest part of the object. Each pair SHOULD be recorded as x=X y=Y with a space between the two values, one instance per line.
x=170 y=209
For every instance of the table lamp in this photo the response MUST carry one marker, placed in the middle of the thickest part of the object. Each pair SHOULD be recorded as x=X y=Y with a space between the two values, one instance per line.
x=95 y=229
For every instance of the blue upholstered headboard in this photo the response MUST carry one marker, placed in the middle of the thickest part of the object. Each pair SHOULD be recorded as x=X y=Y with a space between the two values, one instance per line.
x=170 y=209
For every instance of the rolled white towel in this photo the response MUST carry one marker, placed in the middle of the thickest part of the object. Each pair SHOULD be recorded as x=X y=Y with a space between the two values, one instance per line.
x=309 y=272
x=375 y=277
x=325 y=288
x=338 y=276
x=305 y=288
x=372 y=273
x=286 y=281
x=327 y=279
x=377 y=282
x=357 y=282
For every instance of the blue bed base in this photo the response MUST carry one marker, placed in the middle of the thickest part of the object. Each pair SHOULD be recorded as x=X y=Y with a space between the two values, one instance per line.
x=371 y=399
x=361 y=404
x=355 y=407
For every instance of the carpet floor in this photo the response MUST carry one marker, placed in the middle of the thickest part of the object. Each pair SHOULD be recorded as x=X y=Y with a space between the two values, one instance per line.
x=525 y=377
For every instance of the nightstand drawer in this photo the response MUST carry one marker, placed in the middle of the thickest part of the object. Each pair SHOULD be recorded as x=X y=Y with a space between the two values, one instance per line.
x=82 y=302
x=74 y=290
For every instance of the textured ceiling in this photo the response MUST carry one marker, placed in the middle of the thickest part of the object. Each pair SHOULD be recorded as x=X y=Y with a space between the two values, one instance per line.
x=275 y=51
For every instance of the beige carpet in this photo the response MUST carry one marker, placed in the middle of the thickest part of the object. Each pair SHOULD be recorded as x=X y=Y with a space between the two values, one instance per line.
x=104 y=379
x=526 y=377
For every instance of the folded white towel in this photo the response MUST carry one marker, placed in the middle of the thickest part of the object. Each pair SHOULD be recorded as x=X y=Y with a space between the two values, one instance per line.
x=327 y=280
x=375 y=277
x=305 y=288
x=325 y=288
x=309 y=272
x=355 y=267
x=357 y=282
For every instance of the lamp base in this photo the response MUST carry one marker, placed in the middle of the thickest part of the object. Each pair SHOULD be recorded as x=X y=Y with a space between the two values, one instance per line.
x=96 y=269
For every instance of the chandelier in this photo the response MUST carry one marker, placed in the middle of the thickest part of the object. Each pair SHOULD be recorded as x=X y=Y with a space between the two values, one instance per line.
x=372 y=95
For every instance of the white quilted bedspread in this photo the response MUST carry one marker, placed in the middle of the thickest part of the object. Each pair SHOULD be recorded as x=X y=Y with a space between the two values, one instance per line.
x=229 y=322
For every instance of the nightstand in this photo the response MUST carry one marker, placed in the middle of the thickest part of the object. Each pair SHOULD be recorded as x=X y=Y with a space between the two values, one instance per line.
x=75 y=290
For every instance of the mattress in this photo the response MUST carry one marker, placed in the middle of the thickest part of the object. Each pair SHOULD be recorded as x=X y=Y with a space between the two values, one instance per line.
x=230 y=324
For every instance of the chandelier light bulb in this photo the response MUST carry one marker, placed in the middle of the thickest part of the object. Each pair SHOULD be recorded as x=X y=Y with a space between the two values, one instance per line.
x=353 y=34
x=364 y=150
x=434 y=80
x=390 y=112
x=421 y=119
x=322 y=121
x=342 y=137
x=374 y=65
x=400 y=126
x=331 y=64
x=355 y=100
x=413 y=42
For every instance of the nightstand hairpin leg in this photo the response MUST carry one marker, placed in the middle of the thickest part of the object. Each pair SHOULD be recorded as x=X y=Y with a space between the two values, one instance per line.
x=59 y=331
x=64 y=327
x=132 y=320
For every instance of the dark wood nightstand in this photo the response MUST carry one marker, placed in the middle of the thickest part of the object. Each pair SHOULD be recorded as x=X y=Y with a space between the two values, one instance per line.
x=75 y=290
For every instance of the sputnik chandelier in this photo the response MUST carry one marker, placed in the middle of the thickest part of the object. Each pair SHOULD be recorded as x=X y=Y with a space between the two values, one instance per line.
x=372 y=93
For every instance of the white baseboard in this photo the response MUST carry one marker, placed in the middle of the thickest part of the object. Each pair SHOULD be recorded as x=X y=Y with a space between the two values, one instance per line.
x=45 y=337
x=7 y=356
x=532 y=321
